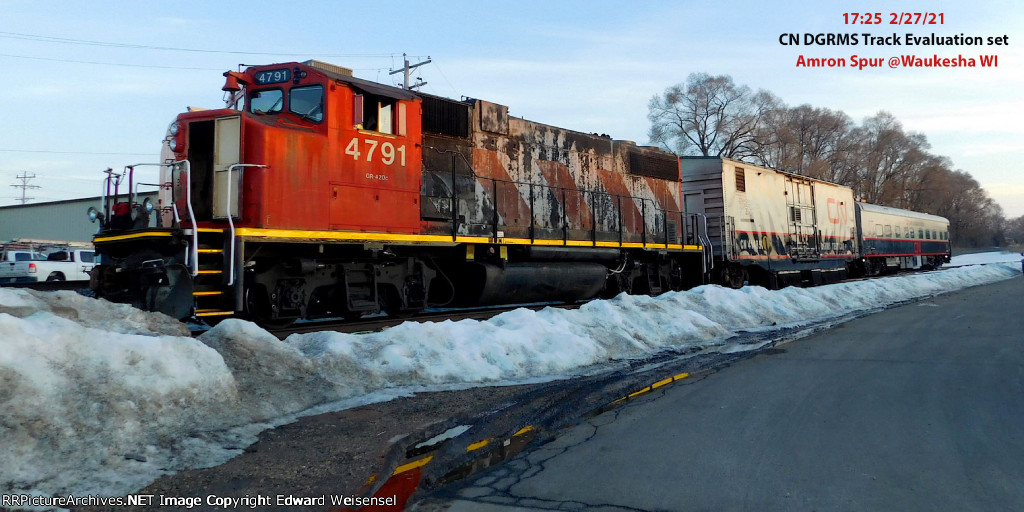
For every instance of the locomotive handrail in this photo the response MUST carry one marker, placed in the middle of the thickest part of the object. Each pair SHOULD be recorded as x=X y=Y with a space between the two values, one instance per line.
x=231 y=223
x=705 y=241
x=134 y=190
x=194 y=256
x=194 y=249
x=106 y=189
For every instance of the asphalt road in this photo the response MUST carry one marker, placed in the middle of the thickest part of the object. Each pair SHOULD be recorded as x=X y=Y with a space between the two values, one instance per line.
x=919 y=407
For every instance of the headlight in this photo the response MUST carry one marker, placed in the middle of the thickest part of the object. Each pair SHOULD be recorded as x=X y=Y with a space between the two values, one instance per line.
x=148 y=205
x=173 y=143
x=173 y=129
x=93 y=213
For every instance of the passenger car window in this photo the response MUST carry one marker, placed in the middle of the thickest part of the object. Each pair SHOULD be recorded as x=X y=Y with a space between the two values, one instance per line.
x=87 y=256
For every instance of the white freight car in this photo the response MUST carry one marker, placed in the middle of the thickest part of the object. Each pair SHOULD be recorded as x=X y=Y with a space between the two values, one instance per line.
x=769 y=227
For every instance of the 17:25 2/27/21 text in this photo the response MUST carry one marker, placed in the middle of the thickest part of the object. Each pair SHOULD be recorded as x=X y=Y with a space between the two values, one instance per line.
x=895 y=18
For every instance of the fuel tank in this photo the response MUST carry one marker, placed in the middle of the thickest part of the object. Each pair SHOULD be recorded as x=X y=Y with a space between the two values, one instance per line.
x=517 y=283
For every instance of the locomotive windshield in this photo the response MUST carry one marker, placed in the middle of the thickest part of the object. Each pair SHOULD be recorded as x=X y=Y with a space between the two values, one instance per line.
x=268 y=101
x=307 y=102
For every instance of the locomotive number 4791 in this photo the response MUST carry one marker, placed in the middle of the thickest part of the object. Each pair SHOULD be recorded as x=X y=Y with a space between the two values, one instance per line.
x=388 y=151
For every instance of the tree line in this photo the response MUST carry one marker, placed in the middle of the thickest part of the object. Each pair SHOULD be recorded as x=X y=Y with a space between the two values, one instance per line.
x=883 y=163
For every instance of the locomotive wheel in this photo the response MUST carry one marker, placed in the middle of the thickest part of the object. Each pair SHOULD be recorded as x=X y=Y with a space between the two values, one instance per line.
x=257 y=308
x=735 y=276
x=391 y=303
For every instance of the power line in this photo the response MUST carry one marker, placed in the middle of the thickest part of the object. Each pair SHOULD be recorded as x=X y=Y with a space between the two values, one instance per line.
x=25 y=177
x=406 y=71
x=106 y=63
x=87 y=42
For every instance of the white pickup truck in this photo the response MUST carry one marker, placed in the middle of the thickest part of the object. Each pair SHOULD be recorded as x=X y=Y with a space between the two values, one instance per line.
x=66 y=265
x=19 y=266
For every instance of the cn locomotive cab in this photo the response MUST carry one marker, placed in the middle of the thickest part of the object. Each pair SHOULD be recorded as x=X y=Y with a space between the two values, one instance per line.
x=262 y=163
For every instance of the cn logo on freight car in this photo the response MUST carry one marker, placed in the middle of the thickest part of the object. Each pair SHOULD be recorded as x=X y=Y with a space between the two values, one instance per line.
x=835 y=213
x=388 y=151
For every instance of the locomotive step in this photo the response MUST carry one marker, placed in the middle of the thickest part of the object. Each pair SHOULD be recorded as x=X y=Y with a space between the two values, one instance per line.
x=207 y=293
x=213 y=312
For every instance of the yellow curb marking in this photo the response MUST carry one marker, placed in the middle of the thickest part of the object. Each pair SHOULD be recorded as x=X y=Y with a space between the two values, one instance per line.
x=528 y=428
x=477 y=445
x=412 y=465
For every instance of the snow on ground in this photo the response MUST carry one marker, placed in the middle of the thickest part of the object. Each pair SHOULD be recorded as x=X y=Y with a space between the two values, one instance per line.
x=981 y=258
x=102 y=398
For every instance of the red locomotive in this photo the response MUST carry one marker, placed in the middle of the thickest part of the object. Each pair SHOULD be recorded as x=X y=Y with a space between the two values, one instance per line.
x=318 y=194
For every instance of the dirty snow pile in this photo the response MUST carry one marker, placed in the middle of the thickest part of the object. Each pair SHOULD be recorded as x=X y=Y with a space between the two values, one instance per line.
x=101 y=398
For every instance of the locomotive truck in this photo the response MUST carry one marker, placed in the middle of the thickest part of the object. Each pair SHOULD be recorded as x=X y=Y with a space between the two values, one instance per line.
x=314 y=193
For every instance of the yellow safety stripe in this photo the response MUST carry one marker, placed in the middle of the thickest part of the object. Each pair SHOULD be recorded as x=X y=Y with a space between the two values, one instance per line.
x=356 y=236
x=128 y=237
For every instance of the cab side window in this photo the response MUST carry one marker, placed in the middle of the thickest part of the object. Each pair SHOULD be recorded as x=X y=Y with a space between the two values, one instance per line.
x=378 y=114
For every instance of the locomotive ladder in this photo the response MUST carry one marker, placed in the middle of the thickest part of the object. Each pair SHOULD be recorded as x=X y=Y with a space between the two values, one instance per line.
x=215 y=290
x=214 y=297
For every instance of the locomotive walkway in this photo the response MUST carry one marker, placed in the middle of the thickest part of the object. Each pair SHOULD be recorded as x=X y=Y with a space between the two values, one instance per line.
x=919 y=407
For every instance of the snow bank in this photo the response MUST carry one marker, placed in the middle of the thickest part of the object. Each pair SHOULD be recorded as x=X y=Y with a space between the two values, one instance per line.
x=981 y=258
x=101 y=398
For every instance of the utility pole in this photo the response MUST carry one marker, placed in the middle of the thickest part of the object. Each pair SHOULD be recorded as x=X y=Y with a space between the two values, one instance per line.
x=406 y=69
x=25 y=177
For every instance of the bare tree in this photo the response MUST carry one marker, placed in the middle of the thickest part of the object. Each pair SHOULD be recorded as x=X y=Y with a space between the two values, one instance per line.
x=1015 y=230
x=810 y=141
x=889 y=159
x=709 y=116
